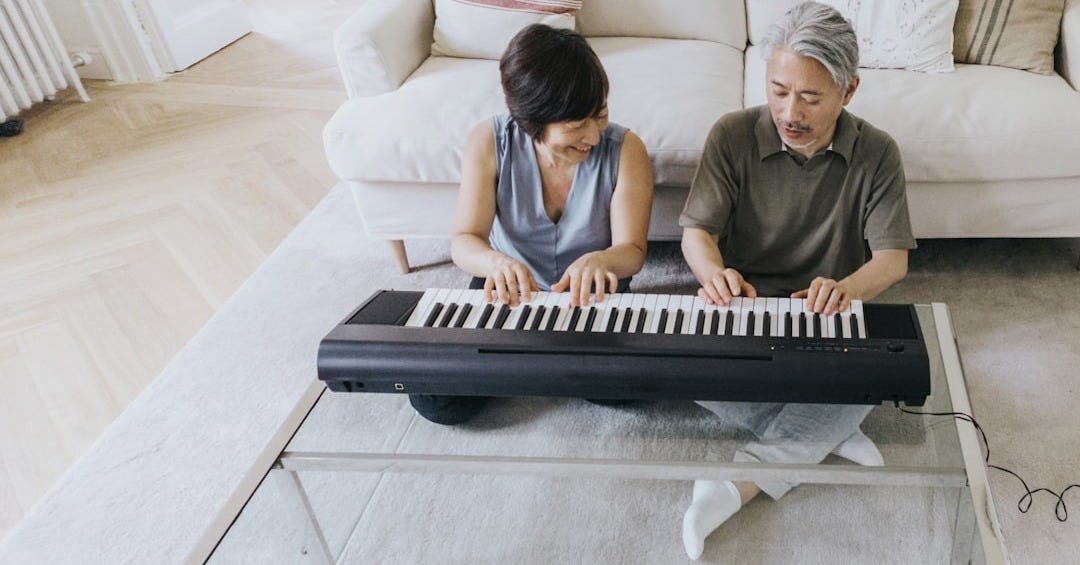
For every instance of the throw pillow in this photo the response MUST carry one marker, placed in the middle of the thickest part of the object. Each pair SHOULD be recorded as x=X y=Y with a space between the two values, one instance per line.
x=1020 y=34
x=481 y=29
x=916 y=35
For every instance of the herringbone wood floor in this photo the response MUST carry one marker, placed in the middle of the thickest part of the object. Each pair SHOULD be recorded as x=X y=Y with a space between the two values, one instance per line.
x=125 y=222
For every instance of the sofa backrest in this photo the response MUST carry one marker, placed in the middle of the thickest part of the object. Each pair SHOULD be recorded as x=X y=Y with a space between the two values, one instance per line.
x=723 y=21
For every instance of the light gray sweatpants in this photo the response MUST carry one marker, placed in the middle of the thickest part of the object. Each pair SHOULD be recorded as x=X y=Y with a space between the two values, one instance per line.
x=789 y=433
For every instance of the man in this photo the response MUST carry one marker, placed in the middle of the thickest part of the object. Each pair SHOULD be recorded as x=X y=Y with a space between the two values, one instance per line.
x=787 y=200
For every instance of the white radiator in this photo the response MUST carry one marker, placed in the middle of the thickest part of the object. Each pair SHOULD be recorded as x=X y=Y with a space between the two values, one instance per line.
x=34 y=65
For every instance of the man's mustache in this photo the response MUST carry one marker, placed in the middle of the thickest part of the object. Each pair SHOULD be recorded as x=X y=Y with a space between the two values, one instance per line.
x=793 y=126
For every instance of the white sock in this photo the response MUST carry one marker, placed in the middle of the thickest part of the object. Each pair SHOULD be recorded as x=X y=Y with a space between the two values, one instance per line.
x=714 y=502
x=860 y=449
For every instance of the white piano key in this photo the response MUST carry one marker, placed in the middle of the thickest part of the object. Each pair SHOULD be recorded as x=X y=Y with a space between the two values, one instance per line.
x=783 y=308
x=721 y=312
x=857 y=309
x=759 y=315
x=845 y=323
x=477 y=300
x=551 y=299
x=686 y=304
x=811 y=327
x=603 y=308
x=796 y=311
x=651 y=314
x=446 y=317
x=772 y=306
x=563 y=303
x=419 y=313
x=635 y=314
x=738 y=308
x=699 y=308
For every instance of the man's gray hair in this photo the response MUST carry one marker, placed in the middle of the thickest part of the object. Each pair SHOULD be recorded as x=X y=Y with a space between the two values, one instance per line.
x=817 y=31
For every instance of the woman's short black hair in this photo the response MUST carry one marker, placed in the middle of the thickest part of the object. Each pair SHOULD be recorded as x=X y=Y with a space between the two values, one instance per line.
x=551 y=75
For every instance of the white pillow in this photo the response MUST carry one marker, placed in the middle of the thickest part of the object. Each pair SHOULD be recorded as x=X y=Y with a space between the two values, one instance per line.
x=481 y=29
x=916 y=35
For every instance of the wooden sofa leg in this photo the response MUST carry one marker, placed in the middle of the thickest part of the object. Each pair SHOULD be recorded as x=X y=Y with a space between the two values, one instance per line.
x=397 y=247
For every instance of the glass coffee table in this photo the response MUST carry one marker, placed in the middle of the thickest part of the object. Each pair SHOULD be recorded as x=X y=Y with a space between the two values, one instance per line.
x=363 y=474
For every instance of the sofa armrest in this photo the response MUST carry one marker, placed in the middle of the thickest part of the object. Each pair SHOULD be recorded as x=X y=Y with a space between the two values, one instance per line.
x=1068 y=63
x=380 y=45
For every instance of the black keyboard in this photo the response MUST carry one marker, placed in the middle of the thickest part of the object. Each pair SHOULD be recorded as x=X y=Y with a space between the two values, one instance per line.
x=630 y=346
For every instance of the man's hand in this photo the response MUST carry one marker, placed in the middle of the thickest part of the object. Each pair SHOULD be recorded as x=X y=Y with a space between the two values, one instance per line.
x=509 y=282
x=724 y=285
x=583 y=274
x=827 y=296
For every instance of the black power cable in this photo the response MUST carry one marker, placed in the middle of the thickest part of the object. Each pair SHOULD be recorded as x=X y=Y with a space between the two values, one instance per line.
x=1024 y=504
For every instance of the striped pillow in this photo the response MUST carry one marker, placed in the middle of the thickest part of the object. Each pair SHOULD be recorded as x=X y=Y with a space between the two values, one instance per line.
x=1020 y=34
x=481 y=29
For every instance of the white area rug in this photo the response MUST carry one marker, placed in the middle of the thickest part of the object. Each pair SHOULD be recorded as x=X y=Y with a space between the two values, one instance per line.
x=153 y=483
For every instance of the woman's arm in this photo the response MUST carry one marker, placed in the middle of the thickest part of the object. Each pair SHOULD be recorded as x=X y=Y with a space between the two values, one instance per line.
x=475 y=214
x=631 y=205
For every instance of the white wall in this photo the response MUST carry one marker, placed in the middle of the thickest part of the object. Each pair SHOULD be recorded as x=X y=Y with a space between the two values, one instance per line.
x=78 y=35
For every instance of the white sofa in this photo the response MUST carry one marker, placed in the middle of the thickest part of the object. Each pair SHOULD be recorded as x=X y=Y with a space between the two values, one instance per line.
x=988 y=151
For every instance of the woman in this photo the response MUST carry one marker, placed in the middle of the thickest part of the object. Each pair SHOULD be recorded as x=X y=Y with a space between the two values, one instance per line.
x=553 y=196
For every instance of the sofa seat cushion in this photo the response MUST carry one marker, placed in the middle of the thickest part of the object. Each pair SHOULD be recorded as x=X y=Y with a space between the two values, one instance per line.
x=417 y=132
x=979 y=123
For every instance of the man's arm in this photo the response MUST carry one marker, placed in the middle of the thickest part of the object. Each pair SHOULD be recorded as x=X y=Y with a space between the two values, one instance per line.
x=718 y=284
x=885 y=268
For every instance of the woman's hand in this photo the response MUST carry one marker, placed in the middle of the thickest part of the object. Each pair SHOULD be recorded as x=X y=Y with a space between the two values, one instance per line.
x=509 y=282
x=580 y=277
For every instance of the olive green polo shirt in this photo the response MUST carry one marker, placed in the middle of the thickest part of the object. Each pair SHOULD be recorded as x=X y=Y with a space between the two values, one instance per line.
x=783 y=219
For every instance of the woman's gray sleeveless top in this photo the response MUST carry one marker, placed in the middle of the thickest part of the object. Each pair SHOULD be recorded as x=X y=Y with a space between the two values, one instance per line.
x=522 y=228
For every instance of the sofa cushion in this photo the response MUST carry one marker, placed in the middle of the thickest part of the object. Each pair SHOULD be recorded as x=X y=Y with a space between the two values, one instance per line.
x=417 y=132
x=891 y=35
x=723 y=21
x=980 y=123
x=482 y=29
x=1021 y=37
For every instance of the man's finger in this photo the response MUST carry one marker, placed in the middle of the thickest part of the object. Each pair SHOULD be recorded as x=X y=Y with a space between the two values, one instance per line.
x=614 y=280
x=800 y=294
x=749 y=290
x=600 y=285
x=489 y=287
x=734 y=285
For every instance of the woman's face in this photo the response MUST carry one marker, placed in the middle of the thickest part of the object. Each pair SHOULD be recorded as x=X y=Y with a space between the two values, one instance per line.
x=571 y=142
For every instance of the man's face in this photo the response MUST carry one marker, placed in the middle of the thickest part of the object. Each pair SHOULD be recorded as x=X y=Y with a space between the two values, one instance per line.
x=804 y=100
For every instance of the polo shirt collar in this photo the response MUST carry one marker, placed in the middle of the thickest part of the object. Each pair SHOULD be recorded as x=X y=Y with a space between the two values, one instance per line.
x=769 y=142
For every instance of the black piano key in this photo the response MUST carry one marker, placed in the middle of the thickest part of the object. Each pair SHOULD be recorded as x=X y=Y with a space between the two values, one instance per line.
x=462 y=315
x=819 y=325
x=448 y=315
x=662 y=327
x=855 y=327
x=430 y=322
x=555 y=310
x=766 y=324
x=642 y=314
x=787 y=324
x=729 y=323
x=838 y=325
x=628 y=314
x=678 y=322
x=500 y=318
x=590 y=319
x=524 y=317
x=749 y=323
x=714 y=322
x=540 y=310
x=802 y=324
x=612 y=315
x=575 y=315
x=700 y=326
x=485 y=315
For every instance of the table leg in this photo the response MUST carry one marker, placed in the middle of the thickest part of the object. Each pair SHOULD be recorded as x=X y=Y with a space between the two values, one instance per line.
x=293 y=490
x=963 y=528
